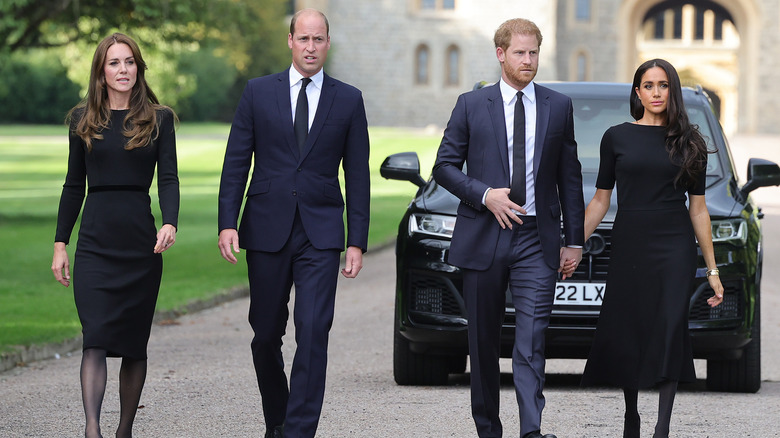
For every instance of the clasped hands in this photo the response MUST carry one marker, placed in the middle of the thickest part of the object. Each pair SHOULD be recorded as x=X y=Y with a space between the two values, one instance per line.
x=505 y=211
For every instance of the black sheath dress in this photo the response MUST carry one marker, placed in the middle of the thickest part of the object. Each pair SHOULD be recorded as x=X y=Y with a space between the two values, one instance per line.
x=642 y=334
x=116 y=274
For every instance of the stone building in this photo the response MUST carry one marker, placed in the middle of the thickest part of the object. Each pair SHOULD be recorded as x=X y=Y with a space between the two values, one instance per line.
x=412 y=58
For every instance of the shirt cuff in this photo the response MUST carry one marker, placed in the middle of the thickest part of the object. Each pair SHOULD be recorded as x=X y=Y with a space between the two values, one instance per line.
x=484 y=195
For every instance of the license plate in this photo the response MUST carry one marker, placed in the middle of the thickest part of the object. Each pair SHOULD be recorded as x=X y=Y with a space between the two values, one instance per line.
x=579 y=294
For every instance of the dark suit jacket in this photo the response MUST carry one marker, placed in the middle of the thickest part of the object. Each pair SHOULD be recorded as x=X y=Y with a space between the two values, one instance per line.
x=284 y=180
x=476 y=134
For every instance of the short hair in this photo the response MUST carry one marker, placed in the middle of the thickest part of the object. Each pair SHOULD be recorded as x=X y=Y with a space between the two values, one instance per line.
x=307 y=11
x=520 y=26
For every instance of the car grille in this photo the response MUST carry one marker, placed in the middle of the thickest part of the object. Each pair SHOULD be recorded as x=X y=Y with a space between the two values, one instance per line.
x=730 y=308
x=434 y=295
x=595 y=257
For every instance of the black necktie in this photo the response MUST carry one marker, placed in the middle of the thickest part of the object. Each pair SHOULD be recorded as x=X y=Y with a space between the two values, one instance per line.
x=517 y=189
x=301 y=123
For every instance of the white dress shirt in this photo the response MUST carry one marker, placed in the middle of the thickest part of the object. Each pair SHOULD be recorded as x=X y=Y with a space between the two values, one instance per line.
x=313 y=91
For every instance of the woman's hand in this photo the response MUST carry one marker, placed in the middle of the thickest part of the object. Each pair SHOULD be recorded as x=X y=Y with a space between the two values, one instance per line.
x=60 y=264
x=166 y=237
x=718 y=288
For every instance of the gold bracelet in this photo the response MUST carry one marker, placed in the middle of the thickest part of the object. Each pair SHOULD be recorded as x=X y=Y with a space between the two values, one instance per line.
x=711 y=272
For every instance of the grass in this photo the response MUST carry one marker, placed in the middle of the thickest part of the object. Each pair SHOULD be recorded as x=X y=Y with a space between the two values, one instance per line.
x=35 y=309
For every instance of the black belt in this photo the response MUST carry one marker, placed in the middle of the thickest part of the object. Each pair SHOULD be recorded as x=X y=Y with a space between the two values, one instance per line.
x=117 y=188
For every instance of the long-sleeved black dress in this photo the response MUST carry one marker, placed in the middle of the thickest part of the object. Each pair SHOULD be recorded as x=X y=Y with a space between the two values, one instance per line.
x=642 y=334
x=116 y=274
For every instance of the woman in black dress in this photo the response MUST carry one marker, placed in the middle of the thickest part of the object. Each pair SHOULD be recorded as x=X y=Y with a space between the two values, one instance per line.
x=119 y=133
x=642 y=336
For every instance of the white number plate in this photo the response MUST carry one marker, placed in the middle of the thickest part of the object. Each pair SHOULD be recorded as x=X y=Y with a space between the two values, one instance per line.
x=579 y=294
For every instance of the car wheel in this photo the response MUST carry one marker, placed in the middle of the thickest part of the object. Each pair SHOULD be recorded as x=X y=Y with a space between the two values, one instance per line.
x=743 y=374
x=410 y=368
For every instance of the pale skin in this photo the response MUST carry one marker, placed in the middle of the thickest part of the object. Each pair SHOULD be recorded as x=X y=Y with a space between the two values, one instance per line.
x=519 y=63
x=120 y=72
x=228 y=245
x=309 y=46
x=653 y=92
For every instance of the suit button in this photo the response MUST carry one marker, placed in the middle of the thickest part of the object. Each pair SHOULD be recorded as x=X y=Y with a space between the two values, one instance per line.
x=299 y=169
x=295 y=193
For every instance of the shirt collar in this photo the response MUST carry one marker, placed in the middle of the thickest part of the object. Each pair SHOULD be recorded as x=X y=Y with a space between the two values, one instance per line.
x=508 y=93
x=296 y=77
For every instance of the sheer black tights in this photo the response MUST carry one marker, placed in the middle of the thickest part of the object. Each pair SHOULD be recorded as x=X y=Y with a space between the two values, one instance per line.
x=93 y=387
x=132 y=375
x=666 y=392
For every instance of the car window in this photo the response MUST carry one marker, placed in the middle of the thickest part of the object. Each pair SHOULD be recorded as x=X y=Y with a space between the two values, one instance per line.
x=593 y=116
x=698 y=117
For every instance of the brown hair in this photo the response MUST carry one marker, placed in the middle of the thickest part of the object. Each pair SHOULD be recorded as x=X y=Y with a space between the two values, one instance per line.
x=93 y=113
x=520 y=26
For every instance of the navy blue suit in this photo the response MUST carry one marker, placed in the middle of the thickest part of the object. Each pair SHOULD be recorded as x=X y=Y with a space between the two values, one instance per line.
x=525 y=258
x=293 y=230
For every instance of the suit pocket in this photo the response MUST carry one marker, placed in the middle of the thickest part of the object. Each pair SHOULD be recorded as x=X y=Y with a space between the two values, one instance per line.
x=332 y=192
x=258 y=187
x=555 y=211
x=337 y=122
x=466 y=211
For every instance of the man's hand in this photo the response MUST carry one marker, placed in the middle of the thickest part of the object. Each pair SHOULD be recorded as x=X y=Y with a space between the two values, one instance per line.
x=498 y=202
x=353 y=262
x=570 y=258
x=228 y=239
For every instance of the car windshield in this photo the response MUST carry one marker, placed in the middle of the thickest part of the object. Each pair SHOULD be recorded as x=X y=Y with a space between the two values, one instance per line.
x=593 y=116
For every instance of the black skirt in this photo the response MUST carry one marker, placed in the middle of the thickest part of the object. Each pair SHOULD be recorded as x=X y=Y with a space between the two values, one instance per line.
x=116 y=275
x=642 y=334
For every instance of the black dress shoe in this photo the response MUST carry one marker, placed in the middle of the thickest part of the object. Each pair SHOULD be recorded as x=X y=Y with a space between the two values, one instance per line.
x=276 y=432
x=537 y=434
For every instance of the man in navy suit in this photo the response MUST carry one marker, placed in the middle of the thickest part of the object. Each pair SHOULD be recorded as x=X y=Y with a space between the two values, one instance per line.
x=517 y=140
x=299 y=125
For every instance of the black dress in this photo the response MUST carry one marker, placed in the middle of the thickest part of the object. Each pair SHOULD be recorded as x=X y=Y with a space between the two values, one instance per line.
x=642 y=334
x=116 y=274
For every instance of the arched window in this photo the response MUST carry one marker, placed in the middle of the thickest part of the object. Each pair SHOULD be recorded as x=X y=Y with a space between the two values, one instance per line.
x=702 y=20
x=582 y=67
x=453 y=66
x=422 y=60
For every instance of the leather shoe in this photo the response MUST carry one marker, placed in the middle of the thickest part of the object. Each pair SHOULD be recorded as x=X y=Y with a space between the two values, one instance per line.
x=537 y=434
x=276 y=432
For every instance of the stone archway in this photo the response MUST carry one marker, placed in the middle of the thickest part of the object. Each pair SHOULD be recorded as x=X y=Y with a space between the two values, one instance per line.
x=744 y=14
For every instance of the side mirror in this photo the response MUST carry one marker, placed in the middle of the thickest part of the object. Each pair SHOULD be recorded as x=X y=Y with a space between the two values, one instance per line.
x=760 y=173
x=404 y=166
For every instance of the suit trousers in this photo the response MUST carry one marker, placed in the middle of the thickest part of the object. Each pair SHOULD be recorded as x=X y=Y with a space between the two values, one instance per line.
x=314 y=273
x=518 y=264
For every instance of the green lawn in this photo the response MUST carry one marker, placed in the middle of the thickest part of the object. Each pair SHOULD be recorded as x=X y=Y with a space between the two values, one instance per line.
x=36 y=309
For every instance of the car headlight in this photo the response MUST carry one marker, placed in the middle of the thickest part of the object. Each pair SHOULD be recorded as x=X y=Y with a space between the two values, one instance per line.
x=729 y=230
x=432 y=224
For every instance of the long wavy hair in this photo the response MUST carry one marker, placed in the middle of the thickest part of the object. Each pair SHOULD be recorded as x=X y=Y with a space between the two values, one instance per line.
x=93 y=114
x=684 y=142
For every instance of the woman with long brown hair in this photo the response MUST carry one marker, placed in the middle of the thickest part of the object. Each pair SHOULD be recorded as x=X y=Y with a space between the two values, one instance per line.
x=119 y=134
x=657 y=162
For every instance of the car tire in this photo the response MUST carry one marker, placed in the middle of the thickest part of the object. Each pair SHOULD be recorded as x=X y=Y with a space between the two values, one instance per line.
x=410 y=368
x=743 y=374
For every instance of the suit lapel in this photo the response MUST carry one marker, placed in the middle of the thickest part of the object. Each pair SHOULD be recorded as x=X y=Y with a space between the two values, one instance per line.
x=327 y=96
x=285 y=110
x=496 y=109
x=542 y=122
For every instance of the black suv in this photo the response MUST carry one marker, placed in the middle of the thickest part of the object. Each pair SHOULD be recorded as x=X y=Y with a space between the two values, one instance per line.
x=430 y=317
